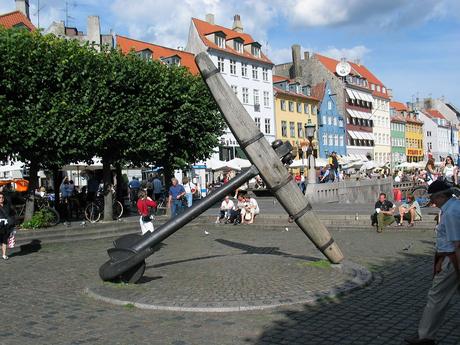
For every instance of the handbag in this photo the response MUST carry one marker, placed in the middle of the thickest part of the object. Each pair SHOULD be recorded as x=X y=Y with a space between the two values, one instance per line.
x=12 y=239
x=146 y=219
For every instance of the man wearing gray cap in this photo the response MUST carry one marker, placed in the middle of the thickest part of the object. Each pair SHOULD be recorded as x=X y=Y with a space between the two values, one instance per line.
x=446 y=279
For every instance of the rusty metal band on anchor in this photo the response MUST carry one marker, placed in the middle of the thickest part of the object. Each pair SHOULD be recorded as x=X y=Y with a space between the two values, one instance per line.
x=207 y=75
x=248 y=142
x=300 y=213
x=325 y=246
x=276 y=188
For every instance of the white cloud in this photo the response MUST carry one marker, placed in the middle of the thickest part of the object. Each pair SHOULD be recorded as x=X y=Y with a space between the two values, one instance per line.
x=351 y=54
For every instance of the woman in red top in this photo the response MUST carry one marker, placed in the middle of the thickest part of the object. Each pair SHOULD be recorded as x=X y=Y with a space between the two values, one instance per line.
x=143 y=204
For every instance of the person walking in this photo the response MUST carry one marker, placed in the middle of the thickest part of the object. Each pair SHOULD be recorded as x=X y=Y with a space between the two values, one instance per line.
x=446 y=279
x=334 y=163
x=143 y=204
x=157 y=188
x=66 y=190
x=134 y=186
x=7 y=223
x=176 y=193
x=190 y=189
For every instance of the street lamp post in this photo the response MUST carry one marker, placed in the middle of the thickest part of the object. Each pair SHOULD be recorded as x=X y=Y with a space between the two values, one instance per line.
x=312 y=143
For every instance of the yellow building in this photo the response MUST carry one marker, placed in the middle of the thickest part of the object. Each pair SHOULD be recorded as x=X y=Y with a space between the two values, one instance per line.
x=414 y=138
x=293 y=110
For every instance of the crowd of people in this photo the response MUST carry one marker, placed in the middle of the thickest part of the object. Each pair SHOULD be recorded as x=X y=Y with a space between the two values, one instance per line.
x=243 y=211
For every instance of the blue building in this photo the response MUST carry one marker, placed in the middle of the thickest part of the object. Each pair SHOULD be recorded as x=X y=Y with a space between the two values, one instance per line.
x=331 y=126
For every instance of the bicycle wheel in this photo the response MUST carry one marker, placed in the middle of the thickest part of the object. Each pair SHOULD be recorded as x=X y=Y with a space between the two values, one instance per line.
x=92 y=212
x=117 y=210
x=421 y=195
x=54 y=216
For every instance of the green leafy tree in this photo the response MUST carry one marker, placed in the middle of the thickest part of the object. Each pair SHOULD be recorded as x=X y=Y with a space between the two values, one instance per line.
x=39 y=107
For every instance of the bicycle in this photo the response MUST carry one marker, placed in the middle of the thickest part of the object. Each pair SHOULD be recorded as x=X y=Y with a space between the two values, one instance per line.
x=41 y=203
x=95 y=209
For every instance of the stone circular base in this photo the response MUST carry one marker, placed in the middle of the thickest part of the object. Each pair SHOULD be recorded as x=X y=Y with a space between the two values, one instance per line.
x=227 y=283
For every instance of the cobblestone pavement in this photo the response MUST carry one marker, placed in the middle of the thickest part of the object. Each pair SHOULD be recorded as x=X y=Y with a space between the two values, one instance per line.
x=43 y=299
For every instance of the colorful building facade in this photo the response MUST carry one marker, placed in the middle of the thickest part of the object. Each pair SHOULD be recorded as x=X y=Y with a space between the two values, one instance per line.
x=331 y=125
x=398 y=134
x=295 y=107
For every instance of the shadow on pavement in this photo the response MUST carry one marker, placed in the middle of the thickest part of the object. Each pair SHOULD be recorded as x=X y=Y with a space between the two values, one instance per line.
x=263 y=250
x=163 y=264
x=385 y=312
x=29 y=248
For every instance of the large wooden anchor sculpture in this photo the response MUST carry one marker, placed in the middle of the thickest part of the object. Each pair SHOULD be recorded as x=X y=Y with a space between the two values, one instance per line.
x=127 y=258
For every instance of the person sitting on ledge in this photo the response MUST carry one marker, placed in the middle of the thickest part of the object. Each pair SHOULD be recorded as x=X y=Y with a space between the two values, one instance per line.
x=226 y=208
x=383 y=215
x=409 y=211
x=250 y=211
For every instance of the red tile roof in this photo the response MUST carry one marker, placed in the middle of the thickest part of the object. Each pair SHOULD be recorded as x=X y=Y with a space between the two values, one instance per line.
x=318 y=90
x=293 y=94
x=356 y=69
x=279 y=78
x=434 y=114
x=12 y=19
x=413 y=120
x=398 y=118
x=205 y=28
x=187 y=59
x=398 y=106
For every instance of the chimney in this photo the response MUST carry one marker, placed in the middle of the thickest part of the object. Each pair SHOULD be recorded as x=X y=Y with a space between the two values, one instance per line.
x=23 y=6
x=390 y=93
x=296 y=68
x=357 y=61
x=237 y=25
x=306 y=55
x=210 y=18
x=94 y=31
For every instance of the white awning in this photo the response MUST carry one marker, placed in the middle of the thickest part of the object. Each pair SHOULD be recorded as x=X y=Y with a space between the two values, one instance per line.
x=350 y=94
x=357 y=94
x=353 y=134
x=359 y=114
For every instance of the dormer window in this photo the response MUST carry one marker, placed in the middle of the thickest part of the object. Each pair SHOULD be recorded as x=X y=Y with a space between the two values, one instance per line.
x=145 y=54
x=372 y=87
x=255 y=50
x=219 y=41
x=171 y=60
x=306 y=90
x=384 y=90
x=378 y=88
x=238 y=46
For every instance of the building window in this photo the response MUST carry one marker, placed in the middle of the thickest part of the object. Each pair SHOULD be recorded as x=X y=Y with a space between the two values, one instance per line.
x=255 y=51
x=291 y=106
x=232 y=66
x=324 y=139
x=257 y=120
x=330 y=140
x=255 y=73
x=145 y=54
x=372 y=87
x=283 y=104
x=315 y=110
x=244 y=69
x=266 y=99
x=235 y=89
x=378 y=88
x=336 y=140
x=340 y=122
x=324 y=120
x=220 y=64
x=299 y=129
x=220 y=41
x=283 y=128
x=341 y=140
x=329 y=105
x=299 y=107
x=245 y=95
x=329 y=120
x=334 y=121
x=267 y=126
x=306 y=108
x=265 y=74
x=256 y=100
x=238 y=46
x=292 y=129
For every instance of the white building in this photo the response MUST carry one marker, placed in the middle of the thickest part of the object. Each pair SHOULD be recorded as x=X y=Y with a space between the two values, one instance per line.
x=244 y=67
x=436 y=134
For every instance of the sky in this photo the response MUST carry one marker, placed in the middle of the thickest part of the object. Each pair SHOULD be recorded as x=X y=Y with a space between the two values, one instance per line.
x=412 y=46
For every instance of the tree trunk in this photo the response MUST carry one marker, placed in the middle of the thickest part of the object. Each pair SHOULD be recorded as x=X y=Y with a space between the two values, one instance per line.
x=108 y=209
x=33 y=184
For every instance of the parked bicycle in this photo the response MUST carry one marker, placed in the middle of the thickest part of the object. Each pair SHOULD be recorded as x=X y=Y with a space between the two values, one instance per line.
x=41 y=204
x=95 y=209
